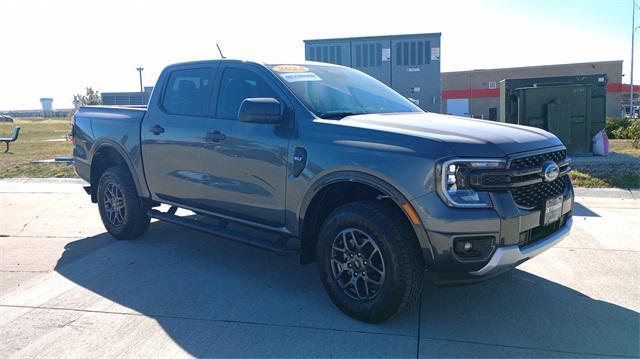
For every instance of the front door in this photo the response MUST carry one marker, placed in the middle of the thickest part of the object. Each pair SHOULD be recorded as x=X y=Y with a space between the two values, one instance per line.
x=172 y=135
x=246 y=163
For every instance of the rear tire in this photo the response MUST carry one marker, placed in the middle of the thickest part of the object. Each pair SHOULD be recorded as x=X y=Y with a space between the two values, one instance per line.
x=369 y=261
x=121 y=210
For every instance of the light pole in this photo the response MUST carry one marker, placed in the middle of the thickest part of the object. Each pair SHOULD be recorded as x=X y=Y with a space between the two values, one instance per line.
x=633 y=32
x=142 y=89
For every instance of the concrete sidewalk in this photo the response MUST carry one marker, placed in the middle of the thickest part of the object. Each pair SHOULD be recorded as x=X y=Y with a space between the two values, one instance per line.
x=67 y=289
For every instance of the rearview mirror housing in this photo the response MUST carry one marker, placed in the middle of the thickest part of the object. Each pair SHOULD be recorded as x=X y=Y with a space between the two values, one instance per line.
x=261 y=110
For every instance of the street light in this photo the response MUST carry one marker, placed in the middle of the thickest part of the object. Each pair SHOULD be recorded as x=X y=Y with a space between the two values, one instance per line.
x=633 y=32
x=141 y=88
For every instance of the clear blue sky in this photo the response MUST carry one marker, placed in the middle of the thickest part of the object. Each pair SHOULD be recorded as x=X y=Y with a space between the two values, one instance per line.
x=56 y=48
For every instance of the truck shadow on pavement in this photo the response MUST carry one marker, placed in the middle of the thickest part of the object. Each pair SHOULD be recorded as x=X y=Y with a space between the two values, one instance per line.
x=217 y=298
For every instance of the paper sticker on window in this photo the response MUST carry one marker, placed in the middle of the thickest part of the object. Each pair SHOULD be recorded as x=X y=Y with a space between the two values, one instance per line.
x=290 y=68
x=300 y=76
x=386 y=54
x=435 y=53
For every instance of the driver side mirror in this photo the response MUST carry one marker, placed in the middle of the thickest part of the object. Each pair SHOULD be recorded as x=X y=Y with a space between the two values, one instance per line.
x=261 y=110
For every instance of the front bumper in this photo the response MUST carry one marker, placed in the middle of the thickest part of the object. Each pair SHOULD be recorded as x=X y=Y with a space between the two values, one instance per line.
x=515 y=235
x=507 y=257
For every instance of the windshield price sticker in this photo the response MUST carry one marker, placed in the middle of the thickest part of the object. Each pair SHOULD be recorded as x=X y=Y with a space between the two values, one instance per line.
x=300 y=76
x=290 y=68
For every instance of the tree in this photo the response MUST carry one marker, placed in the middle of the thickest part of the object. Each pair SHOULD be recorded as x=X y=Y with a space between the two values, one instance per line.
x=91 y=97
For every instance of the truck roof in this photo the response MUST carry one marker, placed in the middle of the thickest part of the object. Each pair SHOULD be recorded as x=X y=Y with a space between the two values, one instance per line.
x=258 y=62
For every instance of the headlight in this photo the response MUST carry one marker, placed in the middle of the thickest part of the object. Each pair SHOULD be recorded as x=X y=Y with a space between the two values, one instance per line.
x=455 y=187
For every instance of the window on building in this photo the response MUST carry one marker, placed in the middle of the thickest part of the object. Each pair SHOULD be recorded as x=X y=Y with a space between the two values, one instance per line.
x=188 y=92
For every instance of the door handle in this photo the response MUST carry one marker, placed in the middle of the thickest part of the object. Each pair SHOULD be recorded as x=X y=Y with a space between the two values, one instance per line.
x=156 y=129
x=215 y=136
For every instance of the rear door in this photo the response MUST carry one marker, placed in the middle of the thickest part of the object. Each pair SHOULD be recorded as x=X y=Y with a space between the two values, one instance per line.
x=172 y=133
x=246 y=163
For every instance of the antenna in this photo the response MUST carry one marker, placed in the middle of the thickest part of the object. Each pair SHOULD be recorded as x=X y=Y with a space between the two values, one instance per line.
x=220 y=51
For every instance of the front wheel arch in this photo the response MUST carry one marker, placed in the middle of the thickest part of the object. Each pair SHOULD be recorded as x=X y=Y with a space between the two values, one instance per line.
x=311 y=217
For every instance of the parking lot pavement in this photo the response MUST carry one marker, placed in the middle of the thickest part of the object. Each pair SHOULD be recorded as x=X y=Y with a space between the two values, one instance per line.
x=68 y=289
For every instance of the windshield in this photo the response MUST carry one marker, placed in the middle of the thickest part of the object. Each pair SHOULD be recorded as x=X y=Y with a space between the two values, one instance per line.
x=335 y=92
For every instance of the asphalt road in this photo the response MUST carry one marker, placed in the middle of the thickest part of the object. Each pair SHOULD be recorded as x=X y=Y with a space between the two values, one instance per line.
x=67 y=289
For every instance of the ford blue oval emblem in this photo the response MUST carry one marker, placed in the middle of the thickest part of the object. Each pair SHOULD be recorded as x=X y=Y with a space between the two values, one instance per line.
x=550 y=171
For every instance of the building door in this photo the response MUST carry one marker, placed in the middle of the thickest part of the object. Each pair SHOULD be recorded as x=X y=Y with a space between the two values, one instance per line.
x=415 y=73
x=458 y=107
x=493 y=113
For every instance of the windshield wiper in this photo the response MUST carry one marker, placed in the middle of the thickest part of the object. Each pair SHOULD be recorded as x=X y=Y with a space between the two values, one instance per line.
x=338 y=115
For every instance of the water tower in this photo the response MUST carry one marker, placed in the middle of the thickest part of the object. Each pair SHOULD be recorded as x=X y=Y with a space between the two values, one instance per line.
x=47 y=106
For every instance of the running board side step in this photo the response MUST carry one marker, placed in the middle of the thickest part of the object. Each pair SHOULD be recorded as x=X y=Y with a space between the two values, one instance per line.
x=279 y=246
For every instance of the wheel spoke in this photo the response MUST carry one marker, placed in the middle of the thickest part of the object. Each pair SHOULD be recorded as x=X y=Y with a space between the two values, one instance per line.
x=366 y=287
x=338 y=265
x=360 y=296
x=369 y=280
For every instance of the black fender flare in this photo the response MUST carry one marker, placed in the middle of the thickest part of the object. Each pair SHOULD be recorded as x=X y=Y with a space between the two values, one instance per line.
x=397 y=196
x=113 y=145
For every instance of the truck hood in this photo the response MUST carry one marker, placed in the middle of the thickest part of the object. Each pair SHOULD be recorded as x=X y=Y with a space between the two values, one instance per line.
x=465 y=136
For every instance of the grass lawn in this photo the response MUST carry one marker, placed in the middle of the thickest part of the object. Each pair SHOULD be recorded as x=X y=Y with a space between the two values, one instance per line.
x=31 y=146
x=624 y=147
x=621 y=175
x=597 y=179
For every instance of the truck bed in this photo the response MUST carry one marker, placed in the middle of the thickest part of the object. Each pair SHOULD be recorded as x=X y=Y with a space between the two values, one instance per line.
x=98 y=125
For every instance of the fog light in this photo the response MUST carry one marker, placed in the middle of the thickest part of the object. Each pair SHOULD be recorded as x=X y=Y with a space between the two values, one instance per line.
x=473 y=247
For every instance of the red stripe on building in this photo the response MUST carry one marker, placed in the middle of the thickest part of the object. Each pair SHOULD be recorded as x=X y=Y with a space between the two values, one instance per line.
x=614 y=87
x=480 y=93
x=470 y=93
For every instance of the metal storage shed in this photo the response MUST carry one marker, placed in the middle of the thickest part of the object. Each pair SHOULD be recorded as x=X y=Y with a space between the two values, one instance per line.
x=571 y=107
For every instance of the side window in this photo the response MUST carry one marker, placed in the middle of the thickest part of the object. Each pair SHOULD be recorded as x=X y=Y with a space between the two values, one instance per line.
x=237 y=85
x=187 y=92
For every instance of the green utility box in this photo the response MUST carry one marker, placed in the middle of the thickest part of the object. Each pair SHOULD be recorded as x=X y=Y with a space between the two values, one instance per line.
x=571 y=107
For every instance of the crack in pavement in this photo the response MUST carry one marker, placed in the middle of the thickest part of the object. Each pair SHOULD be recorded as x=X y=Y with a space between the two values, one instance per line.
x=43 y=211
x=252 y=323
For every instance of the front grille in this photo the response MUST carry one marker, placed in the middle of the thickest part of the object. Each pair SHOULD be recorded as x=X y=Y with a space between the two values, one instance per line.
x=537 y=160
x=534 y=195
x=536 y=234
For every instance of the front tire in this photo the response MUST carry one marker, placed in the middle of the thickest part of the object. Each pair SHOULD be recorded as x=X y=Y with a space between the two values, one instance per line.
x=369 y=261
x=121 y=210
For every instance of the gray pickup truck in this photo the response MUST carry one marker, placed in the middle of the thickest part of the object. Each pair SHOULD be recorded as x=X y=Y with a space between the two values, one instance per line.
x=327 y=163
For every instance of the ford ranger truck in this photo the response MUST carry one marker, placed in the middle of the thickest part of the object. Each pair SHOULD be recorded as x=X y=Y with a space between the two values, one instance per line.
x=327 y=163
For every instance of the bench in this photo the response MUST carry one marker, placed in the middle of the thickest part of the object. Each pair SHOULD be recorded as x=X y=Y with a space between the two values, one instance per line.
x=8 y=140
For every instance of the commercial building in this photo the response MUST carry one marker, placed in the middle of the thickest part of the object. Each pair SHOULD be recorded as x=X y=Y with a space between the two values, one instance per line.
x=127 y=98
x=476 y=93
x=410 y=64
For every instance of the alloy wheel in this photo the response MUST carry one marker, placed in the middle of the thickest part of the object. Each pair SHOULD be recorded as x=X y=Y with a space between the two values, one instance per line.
x=357 y=264
x=114 y=205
